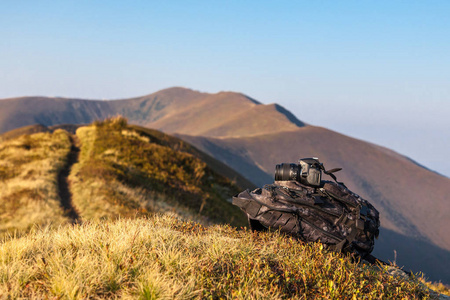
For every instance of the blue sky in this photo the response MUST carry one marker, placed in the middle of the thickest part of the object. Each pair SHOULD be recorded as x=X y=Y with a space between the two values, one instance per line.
x=375 y=70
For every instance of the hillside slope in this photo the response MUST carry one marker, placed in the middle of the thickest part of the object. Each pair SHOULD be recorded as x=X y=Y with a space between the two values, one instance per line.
x=121 y=171
x=224 y=114
x=164 y=258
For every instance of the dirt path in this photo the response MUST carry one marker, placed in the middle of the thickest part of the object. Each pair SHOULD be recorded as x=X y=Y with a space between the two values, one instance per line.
x=64 y=184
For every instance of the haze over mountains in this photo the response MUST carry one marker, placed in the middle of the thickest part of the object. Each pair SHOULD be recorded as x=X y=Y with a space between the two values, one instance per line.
x=251 y=138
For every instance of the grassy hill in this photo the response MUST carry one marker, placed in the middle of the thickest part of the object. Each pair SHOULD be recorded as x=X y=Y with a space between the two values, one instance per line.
x=162 y=257
x=121 y=171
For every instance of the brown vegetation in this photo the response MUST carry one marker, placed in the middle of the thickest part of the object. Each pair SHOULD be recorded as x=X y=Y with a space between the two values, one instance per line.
x=29 y=167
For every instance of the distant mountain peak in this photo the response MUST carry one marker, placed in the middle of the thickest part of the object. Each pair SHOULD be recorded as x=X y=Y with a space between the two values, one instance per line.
x=177 y=90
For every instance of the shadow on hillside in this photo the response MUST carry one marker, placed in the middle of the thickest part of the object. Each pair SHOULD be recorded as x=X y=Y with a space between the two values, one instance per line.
x=237 y=159
x=289 y=115
x=240 y=163
x=415 y=255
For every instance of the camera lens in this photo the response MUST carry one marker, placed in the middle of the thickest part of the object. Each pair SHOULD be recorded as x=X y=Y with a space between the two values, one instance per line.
x=284 y=172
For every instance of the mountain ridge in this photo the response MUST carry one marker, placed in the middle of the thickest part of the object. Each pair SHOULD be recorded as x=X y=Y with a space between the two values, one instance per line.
x=156 y=110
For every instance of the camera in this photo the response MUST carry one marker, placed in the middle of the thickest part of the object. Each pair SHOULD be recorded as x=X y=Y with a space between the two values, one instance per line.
x=308 y=171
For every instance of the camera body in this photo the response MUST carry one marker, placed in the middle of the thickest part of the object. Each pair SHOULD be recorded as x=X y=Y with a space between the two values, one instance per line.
x=308 y=171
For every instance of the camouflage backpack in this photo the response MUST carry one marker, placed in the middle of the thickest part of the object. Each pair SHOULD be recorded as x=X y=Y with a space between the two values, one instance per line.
x=300 y=204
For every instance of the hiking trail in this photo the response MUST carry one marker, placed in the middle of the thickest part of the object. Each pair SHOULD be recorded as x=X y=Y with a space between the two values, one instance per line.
x=63 y=181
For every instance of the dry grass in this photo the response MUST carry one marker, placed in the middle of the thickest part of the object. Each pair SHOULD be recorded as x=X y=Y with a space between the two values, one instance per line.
x=29 y=166
x=165 y=258
x=439 y=287
x=122 y=172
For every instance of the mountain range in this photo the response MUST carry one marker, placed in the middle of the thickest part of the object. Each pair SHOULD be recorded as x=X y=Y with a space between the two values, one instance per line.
x=252 y=138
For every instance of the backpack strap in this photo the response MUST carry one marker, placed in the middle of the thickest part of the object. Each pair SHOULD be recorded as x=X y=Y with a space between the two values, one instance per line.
x=248 y=205
x=330 y=173
x=251 y=205
x=346 y=243
x=339 y=246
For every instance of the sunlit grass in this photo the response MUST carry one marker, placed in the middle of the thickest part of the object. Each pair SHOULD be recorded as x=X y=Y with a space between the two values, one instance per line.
x=438 y=287
x=164 y=258
x=29 y=167
x=122 y=171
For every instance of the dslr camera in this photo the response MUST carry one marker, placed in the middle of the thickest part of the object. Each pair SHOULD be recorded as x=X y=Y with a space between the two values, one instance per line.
x=308 y=171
